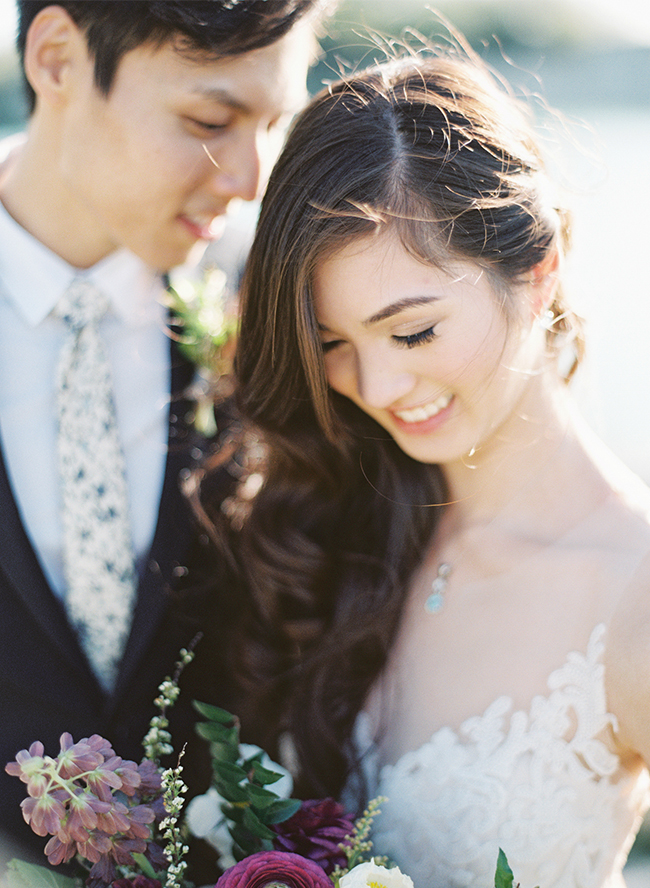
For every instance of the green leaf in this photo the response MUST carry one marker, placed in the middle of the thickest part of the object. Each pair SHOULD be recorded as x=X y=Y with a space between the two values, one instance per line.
x=260 y=798
x=262 y=776
x=248 y=845
x=28 y=875
x=234 y=813
x=255 y=759
x=503 y=878
x=218 y=733
x=255 y=825
x=224 y=752
x=145 y=866
x=239 y=853
x=243 y=842
x=281 y=810
x=231 y=793
x=215 y=714
x=228 y=772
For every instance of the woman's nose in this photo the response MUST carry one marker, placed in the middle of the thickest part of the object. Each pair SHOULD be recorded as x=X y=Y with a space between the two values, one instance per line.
x=382 y=381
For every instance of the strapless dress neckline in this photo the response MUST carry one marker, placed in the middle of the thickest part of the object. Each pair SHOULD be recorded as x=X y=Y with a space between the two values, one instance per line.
x=540 y=783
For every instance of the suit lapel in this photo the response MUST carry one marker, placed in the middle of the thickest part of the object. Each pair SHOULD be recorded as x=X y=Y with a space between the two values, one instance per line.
x=23 y=571
x=174 y=528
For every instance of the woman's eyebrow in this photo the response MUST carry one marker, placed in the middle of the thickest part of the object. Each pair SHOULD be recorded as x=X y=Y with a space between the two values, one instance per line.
x=395 y=307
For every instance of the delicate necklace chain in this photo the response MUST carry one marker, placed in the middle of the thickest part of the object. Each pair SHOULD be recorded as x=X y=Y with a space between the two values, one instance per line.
x=436 y=599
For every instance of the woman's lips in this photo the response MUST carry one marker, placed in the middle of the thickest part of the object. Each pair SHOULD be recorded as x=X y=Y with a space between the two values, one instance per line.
x=425 y=417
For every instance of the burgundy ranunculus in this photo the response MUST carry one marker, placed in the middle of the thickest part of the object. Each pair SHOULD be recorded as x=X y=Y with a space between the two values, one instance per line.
x=316 y=831
x=274 y=867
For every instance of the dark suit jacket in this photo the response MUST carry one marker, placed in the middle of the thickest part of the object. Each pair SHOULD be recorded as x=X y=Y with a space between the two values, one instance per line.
x=46 y=684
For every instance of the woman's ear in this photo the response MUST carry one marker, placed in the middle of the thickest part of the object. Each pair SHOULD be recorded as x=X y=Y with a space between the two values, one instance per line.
x=542 y=281
x=53 y=48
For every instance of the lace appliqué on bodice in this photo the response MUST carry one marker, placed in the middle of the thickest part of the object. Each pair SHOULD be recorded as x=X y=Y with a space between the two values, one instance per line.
x=541 y=784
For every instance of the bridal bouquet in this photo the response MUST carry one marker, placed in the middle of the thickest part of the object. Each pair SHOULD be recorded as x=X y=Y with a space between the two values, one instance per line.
x=120 y=821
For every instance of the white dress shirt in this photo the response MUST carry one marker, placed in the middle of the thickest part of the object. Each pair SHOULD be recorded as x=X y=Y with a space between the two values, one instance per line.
x=32 y=279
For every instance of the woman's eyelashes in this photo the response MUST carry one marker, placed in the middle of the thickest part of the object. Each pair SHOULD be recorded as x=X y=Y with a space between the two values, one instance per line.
x=409 y=340
x=331 y=344
x=413 y=339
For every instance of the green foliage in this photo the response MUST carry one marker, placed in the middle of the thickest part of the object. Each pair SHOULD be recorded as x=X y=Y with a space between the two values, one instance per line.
x=158 y=741
x=503 y=878
x=249 y=807
x=205 y=327
x=359 y=848
x=27 y=875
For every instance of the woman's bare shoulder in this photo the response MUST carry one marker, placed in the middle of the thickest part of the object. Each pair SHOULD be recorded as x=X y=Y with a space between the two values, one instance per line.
x=627 y=662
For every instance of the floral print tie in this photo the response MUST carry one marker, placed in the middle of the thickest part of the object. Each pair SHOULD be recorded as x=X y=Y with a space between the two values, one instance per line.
x=97 y=545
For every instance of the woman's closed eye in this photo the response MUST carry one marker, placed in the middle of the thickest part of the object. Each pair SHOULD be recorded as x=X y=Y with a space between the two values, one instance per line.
x=409 y=340
x=330 y=345
x=413 y=339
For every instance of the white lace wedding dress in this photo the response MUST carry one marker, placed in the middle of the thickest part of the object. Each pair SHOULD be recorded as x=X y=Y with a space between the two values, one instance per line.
x=565 y=811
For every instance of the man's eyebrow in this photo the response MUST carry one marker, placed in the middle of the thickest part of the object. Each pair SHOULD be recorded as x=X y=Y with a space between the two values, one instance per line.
x=395 y=307
x=214 y=94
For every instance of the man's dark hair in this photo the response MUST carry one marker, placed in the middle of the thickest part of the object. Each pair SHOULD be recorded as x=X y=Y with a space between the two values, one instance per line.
x=212 y=28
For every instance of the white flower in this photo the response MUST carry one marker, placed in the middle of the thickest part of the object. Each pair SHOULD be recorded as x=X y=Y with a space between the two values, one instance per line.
x=203 y=813
x=370 y=875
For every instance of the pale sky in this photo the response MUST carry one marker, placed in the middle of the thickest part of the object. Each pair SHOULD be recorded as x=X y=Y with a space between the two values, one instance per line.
x=7 y=22
x=632 y=17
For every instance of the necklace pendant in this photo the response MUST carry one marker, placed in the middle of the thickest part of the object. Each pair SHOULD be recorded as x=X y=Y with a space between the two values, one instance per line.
x=436 y=598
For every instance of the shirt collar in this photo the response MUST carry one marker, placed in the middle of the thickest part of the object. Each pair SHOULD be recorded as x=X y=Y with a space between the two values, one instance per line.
x=34 y=278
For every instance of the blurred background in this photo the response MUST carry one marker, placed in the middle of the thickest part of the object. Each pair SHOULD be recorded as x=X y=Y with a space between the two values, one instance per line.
x=590 y=59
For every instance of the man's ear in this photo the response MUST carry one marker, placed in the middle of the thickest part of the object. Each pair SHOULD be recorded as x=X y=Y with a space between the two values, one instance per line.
x=54 y=48
x=542 y=280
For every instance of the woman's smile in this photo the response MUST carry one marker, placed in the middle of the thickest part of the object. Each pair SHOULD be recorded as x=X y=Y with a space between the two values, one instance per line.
x=418 y=415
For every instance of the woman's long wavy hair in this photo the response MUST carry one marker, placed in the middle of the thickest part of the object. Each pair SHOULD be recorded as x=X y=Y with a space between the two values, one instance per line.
x=436 y=150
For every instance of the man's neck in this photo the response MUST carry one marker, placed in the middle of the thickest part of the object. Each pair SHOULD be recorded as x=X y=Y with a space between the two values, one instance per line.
x=36 y=197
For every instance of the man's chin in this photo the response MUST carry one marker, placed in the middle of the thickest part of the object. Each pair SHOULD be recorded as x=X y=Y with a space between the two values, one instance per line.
x=196 y=253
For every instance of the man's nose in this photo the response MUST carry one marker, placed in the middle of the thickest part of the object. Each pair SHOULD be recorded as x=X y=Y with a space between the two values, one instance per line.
x=241 y=170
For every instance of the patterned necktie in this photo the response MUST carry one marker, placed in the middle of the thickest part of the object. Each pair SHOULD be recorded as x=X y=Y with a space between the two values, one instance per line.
x=97 y=546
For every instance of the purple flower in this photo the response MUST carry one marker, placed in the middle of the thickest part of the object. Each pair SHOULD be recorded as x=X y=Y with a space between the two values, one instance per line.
x=76 y=758
x=316 y=831
x=60 y=852
x=28 y=767
x=150 y=779
x=44 y=814
x=72 y=798
x=271 y=867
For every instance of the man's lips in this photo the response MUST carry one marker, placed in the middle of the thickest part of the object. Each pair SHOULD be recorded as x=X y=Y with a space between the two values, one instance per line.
x=204 y=228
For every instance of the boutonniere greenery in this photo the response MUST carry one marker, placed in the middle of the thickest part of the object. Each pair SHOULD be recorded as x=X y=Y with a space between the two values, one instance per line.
x=205 y=329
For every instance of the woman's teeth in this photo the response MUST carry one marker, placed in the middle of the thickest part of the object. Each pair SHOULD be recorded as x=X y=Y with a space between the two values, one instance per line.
x=421 y=414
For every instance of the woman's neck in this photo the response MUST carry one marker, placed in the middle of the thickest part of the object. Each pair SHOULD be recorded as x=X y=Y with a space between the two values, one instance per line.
x=522 y=477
